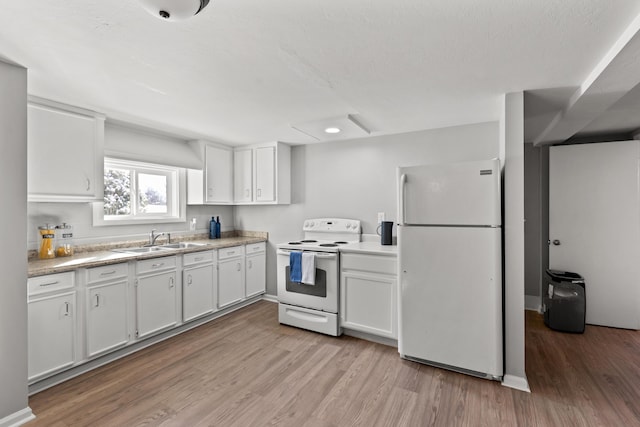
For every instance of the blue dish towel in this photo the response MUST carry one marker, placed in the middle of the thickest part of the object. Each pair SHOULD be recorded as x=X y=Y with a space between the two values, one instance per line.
x=295 y=266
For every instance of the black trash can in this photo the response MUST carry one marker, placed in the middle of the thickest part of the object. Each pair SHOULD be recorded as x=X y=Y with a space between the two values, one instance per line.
x=565 y=301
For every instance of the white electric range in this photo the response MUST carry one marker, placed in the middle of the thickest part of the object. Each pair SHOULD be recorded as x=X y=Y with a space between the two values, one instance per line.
x=315 y=307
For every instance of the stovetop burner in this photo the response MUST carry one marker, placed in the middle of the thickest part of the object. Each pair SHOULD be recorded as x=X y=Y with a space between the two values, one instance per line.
x=341 y=243
x=308 y=241
x=328 y=245
x=294 y=243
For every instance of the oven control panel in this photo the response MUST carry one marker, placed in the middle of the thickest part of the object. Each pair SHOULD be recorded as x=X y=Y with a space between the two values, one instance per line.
x=333 y=225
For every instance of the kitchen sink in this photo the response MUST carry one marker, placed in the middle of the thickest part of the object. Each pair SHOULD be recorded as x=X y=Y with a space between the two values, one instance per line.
x=141 y=250
x=182 y=245
x=159 y=248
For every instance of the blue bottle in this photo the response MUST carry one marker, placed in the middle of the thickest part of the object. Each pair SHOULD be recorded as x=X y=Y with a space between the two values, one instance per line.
x=212 y=228
x=217 y=227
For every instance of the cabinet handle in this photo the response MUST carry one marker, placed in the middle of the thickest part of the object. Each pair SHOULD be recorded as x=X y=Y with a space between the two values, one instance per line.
x=88 y=184
x=97 y=300
x=231 y=252
x=49 y=284
x=157 y=265
x=107 y=273
x=171 y=281
x=259 y=192
x=189 y=280
x=198 y=258
x=250 y=264
x=66 y=308
x=239 y=267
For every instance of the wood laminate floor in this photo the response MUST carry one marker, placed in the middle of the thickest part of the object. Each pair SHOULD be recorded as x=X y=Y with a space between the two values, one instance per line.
x=245 y=369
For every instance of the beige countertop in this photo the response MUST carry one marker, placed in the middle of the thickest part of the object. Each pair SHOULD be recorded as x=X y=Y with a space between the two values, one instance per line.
x=108 y=256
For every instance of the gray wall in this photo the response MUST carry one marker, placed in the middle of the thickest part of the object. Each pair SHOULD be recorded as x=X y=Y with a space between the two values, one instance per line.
x=512 y=136
x=356 y=179
x=532 y=217
x=13 y=192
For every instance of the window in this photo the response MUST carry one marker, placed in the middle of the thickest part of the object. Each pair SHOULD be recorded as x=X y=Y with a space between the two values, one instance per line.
x=136 y=192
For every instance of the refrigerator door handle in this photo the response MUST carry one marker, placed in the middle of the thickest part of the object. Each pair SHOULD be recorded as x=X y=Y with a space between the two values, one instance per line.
x=403 y=181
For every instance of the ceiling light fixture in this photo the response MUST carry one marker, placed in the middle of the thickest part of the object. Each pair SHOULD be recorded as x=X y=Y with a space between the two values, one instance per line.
x=174 y=10
x=332 y=130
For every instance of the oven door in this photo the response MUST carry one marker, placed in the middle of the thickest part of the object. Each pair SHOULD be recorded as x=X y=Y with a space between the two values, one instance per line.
x=321 y=296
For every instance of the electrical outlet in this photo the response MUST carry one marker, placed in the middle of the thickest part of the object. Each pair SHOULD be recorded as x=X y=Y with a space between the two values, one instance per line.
x=380 y=217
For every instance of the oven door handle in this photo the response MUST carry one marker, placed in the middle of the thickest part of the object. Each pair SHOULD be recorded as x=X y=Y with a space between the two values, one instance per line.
x=318 y=254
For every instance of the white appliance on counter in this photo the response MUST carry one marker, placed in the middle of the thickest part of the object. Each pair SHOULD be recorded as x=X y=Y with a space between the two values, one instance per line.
x=450 y=266
x=315 y=307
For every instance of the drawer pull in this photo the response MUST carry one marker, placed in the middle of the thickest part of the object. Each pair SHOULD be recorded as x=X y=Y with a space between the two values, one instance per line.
x=170 y=282
x=231 y=252
x=158 y=265
x=199 y=258
x=97 y=300
x=66 y=308
x=49 y=284
x=107 y=273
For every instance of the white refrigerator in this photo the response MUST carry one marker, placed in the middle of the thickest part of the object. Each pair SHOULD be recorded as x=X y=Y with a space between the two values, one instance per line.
x=450 y=266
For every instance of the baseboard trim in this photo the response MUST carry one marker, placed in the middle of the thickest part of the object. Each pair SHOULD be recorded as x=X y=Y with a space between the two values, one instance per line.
x=532 y=303
x=17 y=418
x=370 y=337
x=270 y=298
x=517 y=383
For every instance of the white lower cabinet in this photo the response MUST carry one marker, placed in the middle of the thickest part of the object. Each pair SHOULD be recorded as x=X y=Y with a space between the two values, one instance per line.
x=68 y=326
x=255 y=265
x=106 y=309
x=230 y=276
x=368 y=294
x=156 y=295
x=51 y=324
x=199 y=285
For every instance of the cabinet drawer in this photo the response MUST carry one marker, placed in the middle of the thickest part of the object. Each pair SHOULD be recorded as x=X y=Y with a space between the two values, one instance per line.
x=371 y=263
x=198 y=258
x=108 y=272
x=231 y=252
x=50 y=283
x=156 y=264
x=256 y=248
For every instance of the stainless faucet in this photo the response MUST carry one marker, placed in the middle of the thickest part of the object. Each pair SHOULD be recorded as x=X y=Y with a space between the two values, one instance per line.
x=153 y=237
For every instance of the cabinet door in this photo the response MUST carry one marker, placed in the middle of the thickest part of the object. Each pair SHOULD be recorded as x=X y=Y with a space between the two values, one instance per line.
x=256 y=274
x=197 y=292
x=243 y=176
x=230 y=281
x=265 y=174
x=219 y=177
x=51 y=334
x=106 y=317
x=62 y=152
x=368 y=303
x=156 y=303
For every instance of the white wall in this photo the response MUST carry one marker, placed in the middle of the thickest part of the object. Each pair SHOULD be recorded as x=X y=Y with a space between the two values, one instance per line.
x=356 y=179
x=13 y=261
x=79 y=215
x=512 y=136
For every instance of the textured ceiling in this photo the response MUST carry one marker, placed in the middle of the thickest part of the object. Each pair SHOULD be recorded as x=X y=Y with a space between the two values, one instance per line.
x=244 y=71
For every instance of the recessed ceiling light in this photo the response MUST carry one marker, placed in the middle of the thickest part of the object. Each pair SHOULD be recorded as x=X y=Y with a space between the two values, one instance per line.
x=332 y=130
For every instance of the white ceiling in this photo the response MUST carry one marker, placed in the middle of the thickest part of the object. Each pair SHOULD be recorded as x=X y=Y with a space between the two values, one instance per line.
x=244 y=71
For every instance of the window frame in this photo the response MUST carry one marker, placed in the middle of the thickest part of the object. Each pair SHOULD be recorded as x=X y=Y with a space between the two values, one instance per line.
x=176 y=194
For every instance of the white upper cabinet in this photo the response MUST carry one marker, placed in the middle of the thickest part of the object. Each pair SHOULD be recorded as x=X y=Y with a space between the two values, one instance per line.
x=268 y=169
x=243 y=175
x=65 y=153
x=214 y=184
